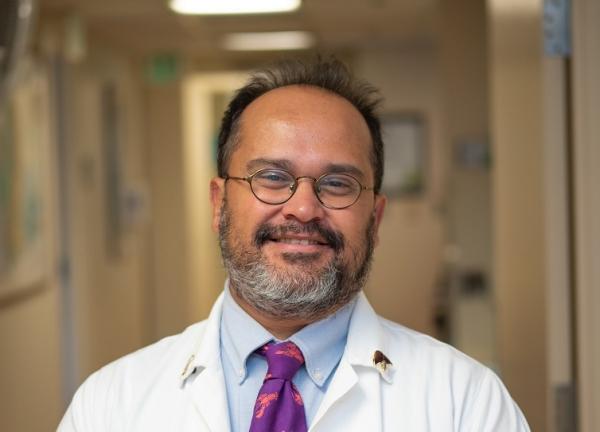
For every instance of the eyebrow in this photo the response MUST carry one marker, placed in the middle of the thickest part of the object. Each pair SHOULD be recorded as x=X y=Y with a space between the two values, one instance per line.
x=285 y=164
x=345 y=169
x=256 y=164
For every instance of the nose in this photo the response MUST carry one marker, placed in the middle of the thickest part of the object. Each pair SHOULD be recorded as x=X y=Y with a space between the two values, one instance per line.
x=304 y=205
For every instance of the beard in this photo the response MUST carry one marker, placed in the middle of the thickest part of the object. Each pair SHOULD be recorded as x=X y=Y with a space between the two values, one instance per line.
x=302 y=289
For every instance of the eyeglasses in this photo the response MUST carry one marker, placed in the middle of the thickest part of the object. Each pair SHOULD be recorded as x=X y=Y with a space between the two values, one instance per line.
x=275 y=186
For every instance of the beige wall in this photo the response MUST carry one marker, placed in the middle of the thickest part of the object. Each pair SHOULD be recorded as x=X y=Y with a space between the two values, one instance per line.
x=557 y=238
x=165 y=163
x=407 y=262
x=516 y=72
x=201 y=119
x=31 y=394
x=30 y=363
x=108 y=271
x=586 y=69
x=113 y=302
x=469 y=196
x=187 y=269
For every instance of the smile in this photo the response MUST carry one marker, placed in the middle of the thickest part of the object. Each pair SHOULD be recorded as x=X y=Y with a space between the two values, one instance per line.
x=297 y=241
x=309 y=237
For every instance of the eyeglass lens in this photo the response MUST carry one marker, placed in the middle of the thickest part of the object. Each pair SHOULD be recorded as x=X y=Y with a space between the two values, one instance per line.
x=274 y=186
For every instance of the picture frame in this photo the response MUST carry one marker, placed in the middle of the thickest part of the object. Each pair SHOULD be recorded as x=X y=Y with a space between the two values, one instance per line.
x=24 y=185
x=405 y=169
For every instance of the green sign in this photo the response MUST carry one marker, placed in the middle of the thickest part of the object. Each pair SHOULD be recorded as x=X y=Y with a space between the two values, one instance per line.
x=162 y=69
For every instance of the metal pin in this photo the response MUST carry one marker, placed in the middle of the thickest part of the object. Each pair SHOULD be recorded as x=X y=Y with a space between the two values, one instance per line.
x=380 y=361
x=187 y=366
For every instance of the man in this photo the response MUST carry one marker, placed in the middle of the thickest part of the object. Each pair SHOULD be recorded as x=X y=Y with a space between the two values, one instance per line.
x=292 y=344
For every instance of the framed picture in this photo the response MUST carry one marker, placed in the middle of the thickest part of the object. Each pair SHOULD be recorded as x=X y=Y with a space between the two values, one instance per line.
x=24 y=183
x=404 y=147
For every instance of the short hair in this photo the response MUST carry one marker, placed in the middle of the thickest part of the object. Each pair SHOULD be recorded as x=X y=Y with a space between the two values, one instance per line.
x=330 y=75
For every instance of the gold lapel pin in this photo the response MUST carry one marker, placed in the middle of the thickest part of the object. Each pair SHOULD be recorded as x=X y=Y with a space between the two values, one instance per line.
x=380 y=361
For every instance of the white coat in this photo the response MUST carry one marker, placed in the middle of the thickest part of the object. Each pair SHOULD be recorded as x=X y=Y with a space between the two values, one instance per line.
x=177 y=384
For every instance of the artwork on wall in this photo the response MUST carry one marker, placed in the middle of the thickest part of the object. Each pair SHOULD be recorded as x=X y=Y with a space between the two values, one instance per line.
x=24 y=184
x=405 y=166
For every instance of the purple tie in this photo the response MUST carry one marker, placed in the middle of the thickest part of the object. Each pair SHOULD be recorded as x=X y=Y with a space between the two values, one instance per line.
x=279 y=406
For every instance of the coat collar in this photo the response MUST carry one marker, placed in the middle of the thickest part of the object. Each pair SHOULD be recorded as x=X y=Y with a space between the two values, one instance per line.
x=366 y=338
x=206 y=350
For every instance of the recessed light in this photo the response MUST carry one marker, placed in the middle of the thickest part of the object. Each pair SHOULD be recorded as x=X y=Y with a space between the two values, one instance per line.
x=268 y=41
x=231 y=7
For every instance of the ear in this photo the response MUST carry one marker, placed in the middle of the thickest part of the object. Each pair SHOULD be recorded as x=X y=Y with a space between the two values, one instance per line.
x=217 y=194
x=378 y=210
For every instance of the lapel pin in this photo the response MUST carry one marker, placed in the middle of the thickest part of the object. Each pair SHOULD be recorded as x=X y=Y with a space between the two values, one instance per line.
x=186 y=369
x=380 y=361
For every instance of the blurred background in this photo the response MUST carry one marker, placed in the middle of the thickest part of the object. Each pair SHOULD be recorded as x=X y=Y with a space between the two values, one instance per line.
x=109 y=112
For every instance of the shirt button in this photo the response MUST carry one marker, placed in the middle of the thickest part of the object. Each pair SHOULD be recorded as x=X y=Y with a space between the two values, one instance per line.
x=240 y=372
x=318 y=375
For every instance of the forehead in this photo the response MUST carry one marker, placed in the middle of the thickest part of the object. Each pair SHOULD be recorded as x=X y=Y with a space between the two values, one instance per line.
x=303 y=123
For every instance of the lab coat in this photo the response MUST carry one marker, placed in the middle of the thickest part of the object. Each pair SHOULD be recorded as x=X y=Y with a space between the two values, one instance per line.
x=418 y=385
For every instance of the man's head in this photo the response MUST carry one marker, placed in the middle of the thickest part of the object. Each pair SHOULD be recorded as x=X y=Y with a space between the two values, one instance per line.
x=332 y=76
x=304 y=257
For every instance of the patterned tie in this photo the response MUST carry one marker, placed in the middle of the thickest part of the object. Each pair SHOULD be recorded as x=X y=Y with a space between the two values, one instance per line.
x=279 y=406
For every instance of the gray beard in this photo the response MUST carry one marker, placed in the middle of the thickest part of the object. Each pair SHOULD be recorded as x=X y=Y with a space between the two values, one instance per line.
x=302 y=290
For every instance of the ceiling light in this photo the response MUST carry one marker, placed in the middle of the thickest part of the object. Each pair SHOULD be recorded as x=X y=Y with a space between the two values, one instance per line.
x=268 y=41
x=230 y=7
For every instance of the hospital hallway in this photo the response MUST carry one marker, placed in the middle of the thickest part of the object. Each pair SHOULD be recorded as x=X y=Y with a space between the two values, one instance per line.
x=109 y=117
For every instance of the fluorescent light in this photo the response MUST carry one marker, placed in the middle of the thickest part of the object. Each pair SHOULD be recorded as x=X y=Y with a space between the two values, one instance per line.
x=230 y=7
x=266 y=41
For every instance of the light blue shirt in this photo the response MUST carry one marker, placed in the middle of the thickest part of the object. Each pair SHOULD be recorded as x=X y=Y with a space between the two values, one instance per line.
x=322 y=343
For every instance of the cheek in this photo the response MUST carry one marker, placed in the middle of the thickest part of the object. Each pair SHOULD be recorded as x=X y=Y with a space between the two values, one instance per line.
x=353 y=228
x=247 y=214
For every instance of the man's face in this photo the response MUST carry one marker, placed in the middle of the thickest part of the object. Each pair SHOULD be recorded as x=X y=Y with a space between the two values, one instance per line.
x=298 y=250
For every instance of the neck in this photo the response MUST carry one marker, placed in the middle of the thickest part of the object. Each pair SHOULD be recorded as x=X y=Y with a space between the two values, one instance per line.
x=280 y=328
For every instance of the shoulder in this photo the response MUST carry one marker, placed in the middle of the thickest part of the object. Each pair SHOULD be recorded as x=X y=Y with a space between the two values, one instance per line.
x=167 y=356
x=110 y=393
x=416 y=348
x=445 y=378
x=408 y=350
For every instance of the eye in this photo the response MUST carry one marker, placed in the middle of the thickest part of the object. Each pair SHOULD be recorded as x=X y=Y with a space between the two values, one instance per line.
x=338 y=184
x=272 y=179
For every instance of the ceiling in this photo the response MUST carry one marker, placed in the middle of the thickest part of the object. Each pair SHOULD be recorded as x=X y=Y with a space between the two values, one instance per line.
x=150 y=27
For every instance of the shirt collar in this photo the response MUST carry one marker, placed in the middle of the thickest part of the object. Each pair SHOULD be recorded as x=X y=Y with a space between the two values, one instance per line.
x=241 y=335
x=322 y=343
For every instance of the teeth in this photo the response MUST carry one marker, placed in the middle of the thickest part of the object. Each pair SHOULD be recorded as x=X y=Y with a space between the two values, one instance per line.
x=304 y=242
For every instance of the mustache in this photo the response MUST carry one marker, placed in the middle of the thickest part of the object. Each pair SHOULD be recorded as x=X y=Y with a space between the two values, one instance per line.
x=266 y=231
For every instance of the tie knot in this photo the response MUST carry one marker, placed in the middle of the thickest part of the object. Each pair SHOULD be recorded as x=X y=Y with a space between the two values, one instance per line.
x=284 y=360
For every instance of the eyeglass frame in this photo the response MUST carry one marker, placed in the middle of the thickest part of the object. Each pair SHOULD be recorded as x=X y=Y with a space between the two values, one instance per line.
x=248 y=179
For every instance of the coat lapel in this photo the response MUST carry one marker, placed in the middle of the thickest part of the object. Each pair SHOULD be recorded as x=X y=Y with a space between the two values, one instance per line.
x=202 y=376
x=356 y=385
x=209 y=396
x=344 y=379
x=355 y=389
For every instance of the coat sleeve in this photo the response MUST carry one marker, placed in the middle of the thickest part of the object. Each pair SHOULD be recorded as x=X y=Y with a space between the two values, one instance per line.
x=491 y=409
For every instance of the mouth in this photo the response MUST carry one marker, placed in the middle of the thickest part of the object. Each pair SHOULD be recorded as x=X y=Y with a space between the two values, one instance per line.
x=301 y=241
x=294 y=246
x=309 y=238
